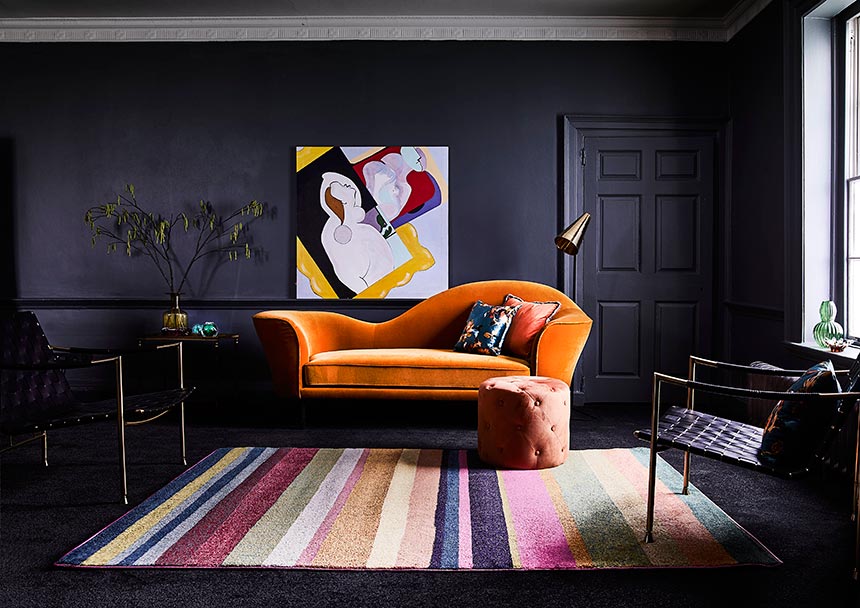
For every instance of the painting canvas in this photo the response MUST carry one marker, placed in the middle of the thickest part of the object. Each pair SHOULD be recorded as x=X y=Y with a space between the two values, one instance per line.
x=372 y=221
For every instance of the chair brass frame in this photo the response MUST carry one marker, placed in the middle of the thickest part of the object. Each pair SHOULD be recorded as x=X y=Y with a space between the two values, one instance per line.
x=127 y=410
x=733 y=442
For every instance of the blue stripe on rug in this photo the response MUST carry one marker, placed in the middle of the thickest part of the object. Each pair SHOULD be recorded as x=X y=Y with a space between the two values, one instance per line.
x=489 y=531
x=244 y=466
x=107 y=535
x=446 y=546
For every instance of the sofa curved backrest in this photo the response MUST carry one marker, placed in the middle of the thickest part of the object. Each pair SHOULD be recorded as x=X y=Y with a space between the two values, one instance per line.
x=438 y=321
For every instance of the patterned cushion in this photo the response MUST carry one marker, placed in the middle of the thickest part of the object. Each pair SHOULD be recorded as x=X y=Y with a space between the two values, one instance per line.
x=527 y=324
x=794 y=428
x=486 y=329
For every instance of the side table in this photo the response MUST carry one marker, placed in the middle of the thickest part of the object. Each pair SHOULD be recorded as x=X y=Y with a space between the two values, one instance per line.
x=214 y=342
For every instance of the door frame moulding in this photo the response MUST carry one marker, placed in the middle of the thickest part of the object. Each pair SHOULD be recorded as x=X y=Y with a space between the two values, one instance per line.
x=577 y=127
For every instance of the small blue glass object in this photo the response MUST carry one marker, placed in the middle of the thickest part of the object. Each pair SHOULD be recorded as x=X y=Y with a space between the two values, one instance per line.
x=197 y=329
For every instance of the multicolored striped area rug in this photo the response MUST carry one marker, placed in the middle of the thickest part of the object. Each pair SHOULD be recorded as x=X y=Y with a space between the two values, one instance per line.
x=418 y=509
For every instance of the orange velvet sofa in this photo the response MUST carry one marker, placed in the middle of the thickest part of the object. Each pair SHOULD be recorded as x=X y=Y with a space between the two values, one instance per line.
x=314 y=354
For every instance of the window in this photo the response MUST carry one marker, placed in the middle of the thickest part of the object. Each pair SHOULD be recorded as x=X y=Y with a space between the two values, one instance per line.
x=824 y=186
x=851 y=232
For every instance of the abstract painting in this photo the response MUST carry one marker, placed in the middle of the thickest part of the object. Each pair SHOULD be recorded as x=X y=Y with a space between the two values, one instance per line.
x=372 y=222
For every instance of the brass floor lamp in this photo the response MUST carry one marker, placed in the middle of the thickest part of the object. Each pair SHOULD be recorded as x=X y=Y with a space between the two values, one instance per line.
x=571 y=238
x=569 y=242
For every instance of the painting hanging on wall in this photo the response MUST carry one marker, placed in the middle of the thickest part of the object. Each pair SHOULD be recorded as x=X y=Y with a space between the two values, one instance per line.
x=372 y=222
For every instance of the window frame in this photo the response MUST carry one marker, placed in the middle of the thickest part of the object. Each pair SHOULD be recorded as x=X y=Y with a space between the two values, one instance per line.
x=841 y=178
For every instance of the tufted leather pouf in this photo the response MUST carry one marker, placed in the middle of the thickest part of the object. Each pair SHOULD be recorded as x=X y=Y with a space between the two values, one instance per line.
x=523 y=422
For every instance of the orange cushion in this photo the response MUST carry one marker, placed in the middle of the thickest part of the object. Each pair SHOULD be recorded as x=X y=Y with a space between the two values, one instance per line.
x=526 y=324
x=407 y=368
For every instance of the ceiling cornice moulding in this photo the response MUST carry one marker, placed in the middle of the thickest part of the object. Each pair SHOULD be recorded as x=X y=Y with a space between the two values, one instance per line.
x=316 y=28
x=742 y=14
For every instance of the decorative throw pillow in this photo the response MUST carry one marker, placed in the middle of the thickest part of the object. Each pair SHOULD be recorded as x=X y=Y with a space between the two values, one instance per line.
x=794 y=428
x=758 y=410
x=527 y=324
x=486 y=329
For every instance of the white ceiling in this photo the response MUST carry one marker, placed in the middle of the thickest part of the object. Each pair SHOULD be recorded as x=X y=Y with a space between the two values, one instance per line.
x=228 y=20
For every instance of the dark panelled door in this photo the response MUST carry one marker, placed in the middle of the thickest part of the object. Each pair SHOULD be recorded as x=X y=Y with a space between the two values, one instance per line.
x=647 y=260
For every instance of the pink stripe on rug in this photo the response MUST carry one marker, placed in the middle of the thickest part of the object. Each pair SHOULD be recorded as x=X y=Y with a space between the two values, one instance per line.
x=188 y=546
x=541 y=541
x=253 y=505
x=692 y=538
x=465 y=541
x=310 y=552
x=416 y=549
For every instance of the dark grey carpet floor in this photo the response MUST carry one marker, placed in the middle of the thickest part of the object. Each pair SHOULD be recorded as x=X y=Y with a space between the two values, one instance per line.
x=44 y=512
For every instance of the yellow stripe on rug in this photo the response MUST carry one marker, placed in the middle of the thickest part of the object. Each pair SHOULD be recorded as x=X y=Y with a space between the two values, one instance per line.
x=509 y=523
x=395 y=509
x=154 y=517
x=568 y=523
x=350 y=539
x=417 y=547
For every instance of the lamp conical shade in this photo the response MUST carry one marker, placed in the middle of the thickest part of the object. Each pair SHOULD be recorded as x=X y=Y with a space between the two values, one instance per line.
x=570 y=240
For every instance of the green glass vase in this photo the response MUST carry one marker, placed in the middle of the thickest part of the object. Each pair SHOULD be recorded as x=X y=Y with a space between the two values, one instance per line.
x=827 y=328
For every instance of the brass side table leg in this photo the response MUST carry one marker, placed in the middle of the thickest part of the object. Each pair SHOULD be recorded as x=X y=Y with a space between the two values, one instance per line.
x=182 y=407
x=120 y=410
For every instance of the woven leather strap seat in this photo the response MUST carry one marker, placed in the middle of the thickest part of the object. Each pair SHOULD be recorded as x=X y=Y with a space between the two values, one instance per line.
x=711 y=436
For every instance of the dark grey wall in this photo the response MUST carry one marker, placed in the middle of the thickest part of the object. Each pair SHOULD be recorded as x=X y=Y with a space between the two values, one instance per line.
x=221 y=121
x=754 y=237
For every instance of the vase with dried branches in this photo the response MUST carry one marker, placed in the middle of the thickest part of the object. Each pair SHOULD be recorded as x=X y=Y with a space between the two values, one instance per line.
x=125 y=223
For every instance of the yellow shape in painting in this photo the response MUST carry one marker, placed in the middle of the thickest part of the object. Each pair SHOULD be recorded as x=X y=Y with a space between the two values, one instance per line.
x=421 y=259
x=306 y=265
x=309 y=154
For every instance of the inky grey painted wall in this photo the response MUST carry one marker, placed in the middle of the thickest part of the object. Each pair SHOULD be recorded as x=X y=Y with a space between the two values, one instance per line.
x=754 y=237
x=220 y=121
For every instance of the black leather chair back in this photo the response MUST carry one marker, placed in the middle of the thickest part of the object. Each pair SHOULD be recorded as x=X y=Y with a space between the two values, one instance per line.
x=22 y=342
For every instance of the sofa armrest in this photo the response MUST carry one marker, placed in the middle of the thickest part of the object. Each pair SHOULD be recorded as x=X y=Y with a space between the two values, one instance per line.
x=559 y=346
x=291 y=337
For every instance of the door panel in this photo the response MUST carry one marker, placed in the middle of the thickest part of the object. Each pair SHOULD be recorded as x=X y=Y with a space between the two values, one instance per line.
x=647 y=268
